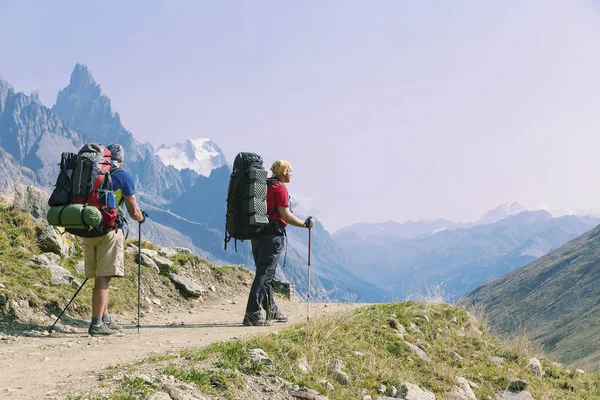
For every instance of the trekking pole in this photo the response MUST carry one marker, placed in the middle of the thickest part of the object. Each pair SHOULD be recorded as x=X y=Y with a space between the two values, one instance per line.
x=145 y=214
x=308 y=293
x=139 y=271
x=65 y=309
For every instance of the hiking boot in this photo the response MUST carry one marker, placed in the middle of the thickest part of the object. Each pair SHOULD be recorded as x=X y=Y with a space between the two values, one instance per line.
x=249 y=320
x=113 y=326
x=100 y=330
x=279 y=317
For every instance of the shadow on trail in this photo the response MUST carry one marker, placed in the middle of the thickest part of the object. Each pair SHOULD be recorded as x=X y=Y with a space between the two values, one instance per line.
x=58 y=332
x=179 y=326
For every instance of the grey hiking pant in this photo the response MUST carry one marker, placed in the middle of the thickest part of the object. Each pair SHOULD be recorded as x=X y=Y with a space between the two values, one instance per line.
x=266 y=250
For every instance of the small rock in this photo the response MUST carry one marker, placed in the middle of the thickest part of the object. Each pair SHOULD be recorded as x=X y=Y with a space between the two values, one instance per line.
x=2 y=286
x=339 y=374
x=381 y=389
x=497 y=361
x=212 y=288
x=156 y=301
x=149 y=252
x=147 y=261
x=259 y=356
x=417 y=351
x=167 y=252
x=415 y=328
x=454 y=355
x=145 y=378
x=187 y=285
x=580 y=371
x=182 y=250
x=303 y=365
x=536 y=367
x=308 y=394
x=163 y=263
x=412 y=391
x=327 y=385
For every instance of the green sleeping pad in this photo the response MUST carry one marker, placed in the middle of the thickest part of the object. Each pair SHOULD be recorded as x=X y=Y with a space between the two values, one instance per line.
x=75 y=216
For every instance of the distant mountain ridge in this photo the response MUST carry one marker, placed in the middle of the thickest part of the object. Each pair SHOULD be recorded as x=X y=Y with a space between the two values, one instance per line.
x=461 y=259
x=408 y=229
x=27 y=130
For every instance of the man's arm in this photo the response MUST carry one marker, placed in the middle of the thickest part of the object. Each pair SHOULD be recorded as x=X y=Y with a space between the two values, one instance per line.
x=291 y=219
x=133 y=209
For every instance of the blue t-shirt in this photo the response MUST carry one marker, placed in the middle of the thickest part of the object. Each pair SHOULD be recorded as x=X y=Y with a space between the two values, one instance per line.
x=122 y=186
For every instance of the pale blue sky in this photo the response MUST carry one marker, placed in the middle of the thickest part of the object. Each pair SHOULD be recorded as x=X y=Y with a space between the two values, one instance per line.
x=388 y=110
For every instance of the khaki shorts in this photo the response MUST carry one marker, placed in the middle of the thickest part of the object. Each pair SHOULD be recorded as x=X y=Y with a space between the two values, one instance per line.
x=104 y=255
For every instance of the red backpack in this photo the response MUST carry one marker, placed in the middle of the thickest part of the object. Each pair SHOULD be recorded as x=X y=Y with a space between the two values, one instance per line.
x=90 y=186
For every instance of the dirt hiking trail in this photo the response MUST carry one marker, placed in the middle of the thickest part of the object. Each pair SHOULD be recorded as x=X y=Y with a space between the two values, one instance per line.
x=54 y=366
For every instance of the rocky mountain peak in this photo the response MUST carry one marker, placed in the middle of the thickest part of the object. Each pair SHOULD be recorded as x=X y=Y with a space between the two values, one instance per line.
x=501 y=212
x=82 y=79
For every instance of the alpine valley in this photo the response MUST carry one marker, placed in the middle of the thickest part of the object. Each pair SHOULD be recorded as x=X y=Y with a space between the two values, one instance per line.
x=183 y=187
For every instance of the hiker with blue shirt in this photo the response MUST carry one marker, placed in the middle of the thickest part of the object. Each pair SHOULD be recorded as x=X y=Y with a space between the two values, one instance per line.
x=104 y=256
x=267 y=247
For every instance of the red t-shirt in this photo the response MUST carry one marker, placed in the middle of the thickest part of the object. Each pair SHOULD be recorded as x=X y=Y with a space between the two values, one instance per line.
x=277 y=196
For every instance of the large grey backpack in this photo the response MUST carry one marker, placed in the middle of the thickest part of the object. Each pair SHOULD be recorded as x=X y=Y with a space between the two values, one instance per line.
x=246 y=198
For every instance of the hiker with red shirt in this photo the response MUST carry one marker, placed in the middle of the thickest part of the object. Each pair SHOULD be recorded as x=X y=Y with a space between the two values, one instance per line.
x=267 y=247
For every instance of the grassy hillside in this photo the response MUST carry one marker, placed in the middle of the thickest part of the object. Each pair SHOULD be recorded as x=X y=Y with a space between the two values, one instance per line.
x=555 y=299
x=29 y=299
x=373 y=354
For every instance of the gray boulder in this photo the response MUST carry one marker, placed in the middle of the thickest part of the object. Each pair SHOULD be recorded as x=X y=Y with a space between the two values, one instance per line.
x=51 y=240
x=31 y=200
x=497 y=361
x=535 y=365
x=410 y=391
x=187 y=285
x=418 y=351
x=339 y=374
x=182 y=250
x=308 y=394
x=60 y=275
x=149 y=252
x=260 y=357
x=45 y=259
x=163 y=263
x=148 y=262
x=167 y=252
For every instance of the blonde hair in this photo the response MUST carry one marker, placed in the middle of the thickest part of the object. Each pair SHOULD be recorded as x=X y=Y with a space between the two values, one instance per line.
x=281 y=167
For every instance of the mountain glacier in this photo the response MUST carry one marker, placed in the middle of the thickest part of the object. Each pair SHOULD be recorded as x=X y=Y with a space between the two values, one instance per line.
x=201 y=155
x=501 y=212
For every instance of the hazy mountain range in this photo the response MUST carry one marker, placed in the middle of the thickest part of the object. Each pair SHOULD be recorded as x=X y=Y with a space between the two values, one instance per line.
x=184 y=187
x=410 y=258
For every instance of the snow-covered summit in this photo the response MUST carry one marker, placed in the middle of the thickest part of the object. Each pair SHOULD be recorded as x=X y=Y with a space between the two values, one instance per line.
x=201 y=155
x=501 y=212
